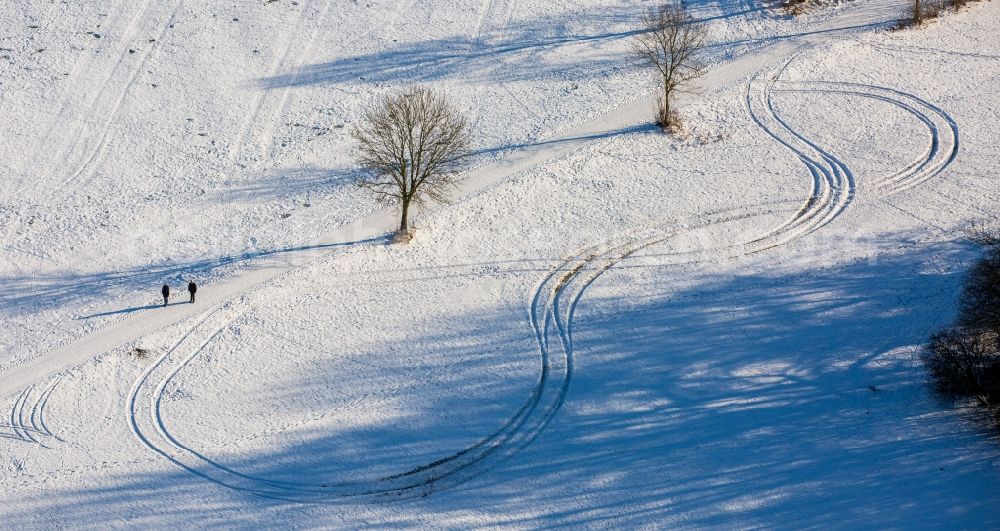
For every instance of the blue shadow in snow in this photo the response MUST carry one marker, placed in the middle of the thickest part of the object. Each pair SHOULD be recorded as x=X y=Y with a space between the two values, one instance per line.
x=45 y=291
x=521 y=53
x=129 y=310
x=765 y=398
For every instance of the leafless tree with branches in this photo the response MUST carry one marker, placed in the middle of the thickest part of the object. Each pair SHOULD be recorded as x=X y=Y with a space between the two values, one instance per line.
x=669 y=42
x=411 y=145
x=924 y=10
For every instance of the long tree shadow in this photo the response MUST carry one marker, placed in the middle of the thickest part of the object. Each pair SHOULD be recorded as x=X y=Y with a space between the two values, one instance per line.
x=644 y=128
x=283 y=183
x=464 y=57
x=788 y=398
x=43 y=291
x=523 y=52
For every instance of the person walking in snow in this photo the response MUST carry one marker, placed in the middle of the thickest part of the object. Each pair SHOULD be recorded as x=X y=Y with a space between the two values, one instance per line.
x=166 y=293
x=192 y=288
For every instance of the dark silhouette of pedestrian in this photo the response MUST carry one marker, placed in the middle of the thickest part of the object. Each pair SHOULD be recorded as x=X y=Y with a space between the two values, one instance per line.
x=192 y=289
x=166 y=293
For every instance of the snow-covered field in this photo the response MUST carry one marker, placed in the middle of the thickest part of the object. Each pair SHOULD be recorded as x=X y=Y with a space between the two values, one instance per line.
x=608 y=327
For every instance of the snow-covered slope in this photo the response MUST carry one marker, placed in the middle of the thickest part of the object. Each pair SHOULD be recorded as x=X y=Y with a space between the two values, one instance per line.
x=608 y=327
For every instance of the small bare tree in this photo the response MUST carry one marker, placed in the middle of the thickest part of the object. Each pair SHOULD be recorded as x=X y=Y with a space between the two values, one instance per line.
x=411 y=146
x=670 y=42
x=924 y=10
x=794 y=7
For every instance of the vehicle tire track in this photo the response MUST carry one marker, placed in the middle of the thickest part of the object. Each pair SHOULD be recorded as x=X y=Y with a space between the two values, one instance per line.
x=267 y=141
x=69 y=129
x=38 y=410
x=15 y=417
x=548 y=395
x=47 y=156
x=259 y=100
x=551 y=311
x=944 y=131
x=87 y=166
x=832 y=183
x=415 y=482
x=501 y=27
x=485 y=14
x=91 y=155
x=27 y=422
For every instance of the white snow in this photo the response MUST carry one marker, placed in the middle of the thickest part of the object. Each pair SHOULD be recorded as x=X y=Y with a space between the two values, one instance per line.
x=608 y=327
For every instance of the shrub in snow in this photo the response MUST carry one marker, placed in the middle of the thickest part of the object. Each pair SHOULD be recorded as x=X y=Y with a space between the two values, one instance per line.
x=980 y=303
x=984 y=233
x=923 y=10
x=964 y=360
x=794 y=7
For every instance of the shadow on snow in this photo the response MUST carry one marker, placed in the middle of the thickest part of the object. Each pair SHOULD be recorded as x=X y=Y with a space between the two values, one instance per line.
x=790 y=399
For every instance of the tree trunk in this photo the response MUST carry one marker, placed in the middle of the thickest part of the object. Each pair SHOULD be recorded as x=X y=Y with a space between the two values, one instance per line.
x=666 y=107
x=403 y=225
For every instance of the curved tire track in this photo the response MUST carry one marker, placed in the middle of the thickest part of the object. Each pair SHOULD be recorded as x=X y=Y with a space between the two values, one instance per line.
x=944 y=133
x=27 y=422
x=550 y=314
x=552 y=308
x=833 y=184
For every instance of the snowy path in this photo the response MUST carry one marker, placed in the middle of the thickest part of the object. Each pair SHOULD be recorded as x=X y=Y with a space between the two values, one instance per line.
x=609 y=329
x=630 y=117
x=555 y=300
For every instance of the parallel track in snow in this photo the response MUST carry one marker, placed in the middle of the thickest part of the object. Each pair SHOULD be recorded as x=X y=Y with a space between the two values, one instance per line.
x=67 y=150
x=832 y=182
x=551 y=314
x=292 y=56
x=942 y=149
x=555 y=300
x=26 y=420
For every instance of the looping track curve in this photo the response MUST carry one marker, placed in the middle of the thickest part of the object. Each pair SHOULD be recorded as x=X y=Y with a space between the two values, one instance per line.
x=555 y=299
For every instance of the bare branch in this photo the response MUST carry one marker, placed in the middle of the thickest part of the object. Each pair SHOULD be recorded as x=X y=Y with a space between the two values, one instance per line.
x=412 y=146
x=670 y=44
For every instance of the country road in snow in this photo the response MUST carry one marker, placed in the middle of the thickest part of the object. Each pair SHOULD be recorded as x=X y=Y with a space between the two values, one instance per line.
x=866 y=17
x=607 y=327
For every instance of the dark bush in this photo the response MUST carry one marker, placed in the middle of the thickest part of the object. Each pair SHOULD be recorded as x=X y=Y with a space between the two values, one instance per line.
x=991 y=382
x=983 y=233
x=964 y=361
x=794 y=7
x=980 y=303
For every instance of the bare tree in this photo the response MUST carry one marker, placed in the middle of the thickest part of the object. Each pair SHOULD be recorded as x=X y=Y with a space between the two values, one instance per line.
x=923 y=11
x=669 y=42
x=929 y=9
x=412 y=145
